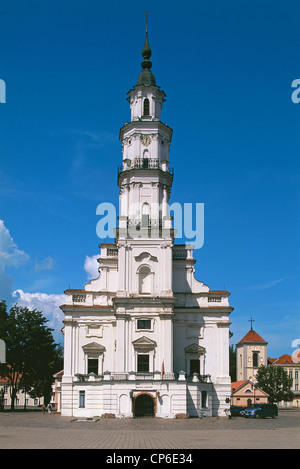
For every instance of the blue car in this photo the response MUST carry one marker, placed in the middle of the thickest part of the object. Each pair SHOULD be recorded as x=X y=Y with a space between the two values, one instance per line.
x=235 y=410
x=261 y=411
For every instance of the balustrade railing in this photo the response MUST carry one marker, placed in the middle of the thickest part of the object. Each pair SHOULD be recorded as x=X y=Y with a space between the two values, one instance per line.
x=111 y=252
x=140 y=376
x=143 y=163
x=78 y=298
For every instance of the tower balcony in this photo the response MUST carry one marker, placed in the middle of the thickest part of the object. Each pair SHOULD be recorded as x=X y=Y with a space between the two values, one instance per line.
x=145 y=228
x=144 y=163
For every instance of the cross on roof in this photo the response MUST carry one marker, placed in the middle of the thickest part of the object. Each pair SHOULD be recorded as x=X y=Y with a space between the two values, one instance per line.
x=251 y=320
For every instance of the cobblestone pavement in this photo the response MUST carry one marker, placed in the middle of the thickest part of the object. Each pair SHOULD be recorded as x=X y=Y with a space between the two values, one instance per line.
x=34 y=430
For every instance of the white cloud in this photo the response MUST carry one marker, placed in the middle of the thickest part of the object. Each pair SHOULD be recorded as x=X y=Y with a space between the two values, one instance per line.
x=265 y=286
x=49 y=305
x=46 y=264
x=10 y=257
x=10 y=254
x=91 y=266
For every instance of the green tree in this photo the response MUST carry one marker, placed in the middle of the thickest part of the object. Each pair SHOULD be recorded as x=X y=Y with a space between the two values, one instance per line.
x=275 y=381
x=32 y=355
x=232 y=362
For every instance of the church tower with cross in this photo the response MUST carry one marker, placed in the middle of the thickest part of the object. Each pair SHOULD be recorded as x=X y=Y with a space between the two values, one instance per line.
x=251 y=353
x=145 y=337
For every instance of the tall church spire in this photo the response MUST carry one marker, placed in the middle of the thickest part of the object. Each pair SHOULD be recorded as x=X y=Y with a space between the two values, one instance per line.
x=146 y=77
x=145 y=179
x=146 y=52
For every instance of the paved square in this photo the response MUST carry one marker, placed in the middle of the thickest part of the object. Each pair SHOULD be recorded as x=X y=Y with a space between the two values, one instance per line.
x=35 y=430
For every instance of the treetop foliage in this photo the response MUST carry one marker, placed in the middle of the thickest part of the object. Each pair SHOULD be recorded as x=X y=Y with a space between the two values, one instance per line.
x=32 y=355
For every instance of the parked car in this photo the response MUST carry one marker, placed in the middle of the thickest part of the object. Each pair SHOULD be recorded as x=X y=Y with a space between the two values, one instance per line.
x=235 y=410
x=261 y=411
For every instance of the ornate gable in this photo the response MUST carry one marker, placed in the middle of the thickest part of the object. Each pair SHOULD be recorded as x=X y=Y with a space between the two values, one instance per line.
x=93 y=347
x=194 y=348
x=144 y=343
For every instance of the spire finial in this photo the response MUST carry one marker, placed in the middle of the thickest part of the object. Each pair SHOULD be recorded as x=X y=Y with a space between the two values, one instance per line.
x=146 y=52
x=146 y=77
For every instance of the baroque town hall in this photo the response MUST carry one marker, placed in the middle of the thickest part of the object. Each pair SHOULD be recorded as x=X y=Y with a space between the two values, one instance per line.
x=145 y=337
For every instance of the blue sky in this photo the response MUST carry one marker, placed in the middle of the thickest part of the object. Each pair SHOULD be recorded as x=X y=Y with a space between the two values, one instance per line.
x=227 y=69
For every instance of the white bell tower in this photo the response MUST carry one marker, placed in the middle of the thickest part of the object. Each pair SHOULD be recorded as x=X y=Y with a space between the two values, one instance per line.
x=145 y=235
x=145 y=178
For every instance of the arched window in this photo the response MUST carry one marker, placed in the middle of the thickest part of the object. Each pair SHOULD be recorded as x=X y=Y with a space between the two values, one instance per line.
x=146 y=107
x=145 y=280
x=145 y=214
x=145 y=159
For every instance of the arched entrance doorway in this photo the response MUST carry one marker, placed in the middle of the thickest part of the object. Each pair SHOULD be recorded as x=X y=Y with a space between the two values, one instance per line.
x=144 y=406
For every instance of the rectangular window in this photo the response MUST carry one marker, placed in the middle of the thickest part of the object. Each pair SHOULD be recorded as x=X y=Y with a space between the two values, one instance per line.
x=255 y=359
x=143 y=363
x=93 y=365
x=81 y=398
x=145 y=221
x=203 y=399
x=146 y=107
x=194 y=366
x=144 y=324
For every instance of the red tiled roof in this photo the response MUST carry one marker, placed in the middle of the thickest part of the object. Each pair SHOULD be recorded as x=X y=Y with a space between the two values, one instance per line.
x=237 y=384
x=217 y=292
x=282 y=360
x=73 y=290
x=85 y=306
x=252 y=336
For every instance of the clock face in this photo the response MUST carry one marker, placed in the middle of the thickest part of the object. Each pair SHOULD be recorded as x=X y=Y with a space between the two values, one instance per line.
x=146 y=140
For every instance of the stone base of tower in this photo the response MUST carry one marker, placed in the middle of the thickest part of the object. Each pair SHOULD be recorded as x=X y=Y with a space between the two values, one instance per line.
x=114 y=397
x=221 y=393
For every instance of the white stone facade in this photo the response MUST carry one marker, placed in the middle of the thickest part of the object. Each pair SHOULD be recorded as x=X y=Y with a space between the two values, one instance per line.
x=145 y=337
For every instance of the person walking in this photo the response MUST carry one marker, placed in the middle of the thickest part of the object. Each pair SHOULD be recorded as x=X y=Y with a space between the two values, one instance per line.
x=49 y=408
